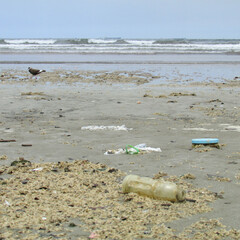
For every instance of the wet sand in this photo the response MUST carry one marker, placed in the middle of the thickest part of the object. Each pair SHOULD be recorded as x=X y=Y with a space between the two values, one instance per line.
x=45 y=117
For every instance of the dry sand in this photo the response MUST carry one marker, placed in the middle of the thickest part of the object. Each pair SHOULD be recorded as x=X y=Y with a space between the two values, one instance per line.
x=44 y=120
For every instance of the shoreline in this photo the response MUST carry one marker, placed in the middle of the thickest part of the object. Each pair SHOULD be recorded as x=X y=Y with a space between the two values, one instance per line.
x=168 y=58
x=48 y=117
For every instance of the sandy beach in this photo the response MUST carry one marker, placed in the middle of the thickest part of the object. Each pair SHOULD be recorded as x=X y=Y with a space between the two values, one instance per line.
x=42 y=121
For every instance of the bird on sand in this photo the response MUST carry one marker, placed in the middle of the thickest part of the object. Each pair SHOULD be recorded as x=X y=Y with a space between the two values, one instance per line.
x=35 y=71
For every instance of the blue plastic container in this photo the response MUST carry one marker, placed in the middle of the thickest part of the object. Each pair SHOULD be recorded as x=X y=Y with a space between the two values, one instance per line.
x=205 y=141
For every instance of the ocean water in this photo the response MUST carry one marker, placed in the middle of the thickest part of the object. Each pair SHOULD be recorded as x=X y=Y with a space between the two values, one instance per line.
x=210 y=58
x=120 y=46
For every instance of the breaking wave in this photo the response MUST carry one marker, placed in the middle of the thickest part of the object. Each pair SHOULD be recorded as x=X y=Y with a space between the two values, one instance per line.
x=170 y=41
x=72 y=41
x=2 y=41
x=120 y=46
x=121 y=41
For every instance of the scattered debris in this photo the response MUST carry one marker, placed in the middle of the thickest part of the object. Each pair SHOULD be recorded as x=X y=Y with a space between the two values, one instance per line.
x=115 y=128
x=7 y=203
x=232 y=128
x=214 y=100
x=151 y=96
x=145 y=148
x=157 y=189
x=4 y=140
x=198 y=129
x=205 y=141
x=37 y=169
x=129 y=149
x=118 y=151
x=26 y=145
x=174 y=94
x=49 y=199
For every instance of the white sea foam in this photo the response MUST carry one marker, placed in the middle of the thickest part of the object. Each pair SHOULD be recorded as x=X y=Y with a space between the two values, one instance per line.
x=30 y=41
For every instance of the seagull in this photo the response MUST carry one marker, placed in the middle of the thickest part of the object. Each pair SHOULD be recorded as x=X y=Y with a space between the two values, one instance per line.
x=35 y=71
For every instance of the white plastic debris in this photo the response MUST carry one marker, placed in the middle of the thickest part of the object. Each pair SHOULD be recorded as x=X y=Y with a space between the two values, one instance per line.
x=37 y=169
x=118 y=151
x=142 y=147
x=7 y=203
x=198 y=129
x=115 y=128
x=233 y=128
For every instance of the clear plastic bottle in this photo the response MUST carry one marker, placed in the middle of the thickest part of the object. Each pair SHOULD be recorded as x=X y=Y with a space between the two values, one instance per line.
x=156 y=189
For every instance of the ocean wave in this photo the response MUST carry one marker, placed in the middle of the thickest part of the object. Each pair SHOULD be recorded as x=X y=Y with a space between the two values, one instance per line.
x=2 y=41
x=121 y=41
x=29 y=41
x=73 y=41
x=171 y=41
x=120 y=46
x=90 y=41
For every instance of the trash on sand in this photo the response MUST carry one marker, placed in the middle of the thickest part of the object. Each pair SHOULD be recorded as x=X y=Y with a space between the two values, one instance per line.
x=129 y=149
x=7 y=140
x=116 y=128
x=202 y=142
x=143 y=147
x=233 y=128
x=37 y=169
x=205 y=141
x=118 y=151
x=7 y=203
x=199 y=129
x=26 y=145
x=157 y=189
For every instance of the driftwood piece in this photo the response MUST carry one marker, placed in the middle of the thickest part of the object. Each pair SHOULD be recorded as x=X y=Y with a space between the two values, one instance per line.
x=7 y=140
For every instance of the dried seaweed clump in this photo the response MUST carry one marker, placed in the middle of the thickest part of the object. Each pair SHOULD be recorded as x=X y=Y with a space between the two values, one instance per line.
x=209 y=229
x=42 y=200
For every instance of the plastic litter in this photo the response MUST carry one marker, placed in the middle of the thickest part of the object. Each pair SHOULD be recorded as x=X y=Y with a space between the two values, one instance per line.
x=143 y=147
x=129 y=149
x=115 y=128
x=37 y=169
x=156 y=189
x=205 y=141
x=7 y=203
